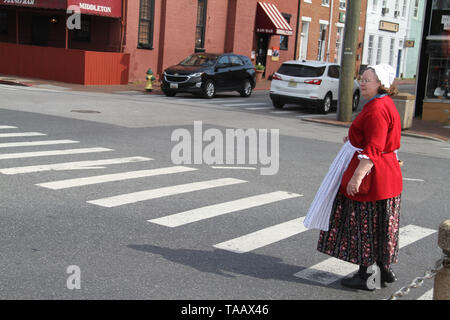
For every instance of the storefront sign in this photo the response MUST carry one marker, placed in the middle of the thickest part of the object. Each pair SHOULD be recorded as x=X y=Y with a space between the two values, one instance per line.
x=50 y=4
x=109 y=8
x=409 y=44
x=388 y=26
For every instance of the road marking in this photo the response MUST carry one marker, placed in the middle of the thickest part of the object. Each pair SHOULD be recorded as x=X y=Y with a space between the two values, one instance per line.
x=259 y=108
x=281 y=112
x=78 y=182
x=9 y=87
x=332 y=269
x=263 y=237
x=222 y=100
x=35 y=143
x=50 y=153
x=412 y=179
x=133 y=197
x=244 y=104
x=235 y=168
x=76 y=165
x=182 y=218
x=7 y=127
x=21 y=134
x=427 y=295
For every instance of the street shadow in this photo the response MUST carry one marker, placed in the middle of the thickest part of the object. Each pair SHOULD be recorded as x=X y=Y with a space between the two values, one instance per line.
x=222 y=263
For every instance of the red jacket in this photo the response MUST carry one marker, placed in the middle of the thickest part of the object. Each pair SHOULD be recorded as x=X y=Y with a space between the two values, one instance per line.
x=377 y=130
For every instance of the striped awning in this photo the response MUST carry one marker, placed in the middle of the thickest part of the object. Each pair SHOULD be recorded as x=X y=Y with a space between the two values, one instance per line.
x=270 y=20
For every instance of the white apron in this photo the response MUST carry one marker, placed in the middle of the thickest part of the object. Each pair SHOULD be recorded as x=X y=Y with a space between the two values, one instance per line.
x=318 y=216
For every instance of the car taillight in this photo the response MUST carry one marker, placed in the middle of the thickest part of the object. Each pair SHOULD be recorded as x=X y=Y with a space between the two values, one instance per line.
x=276 y=77
x=314 y=81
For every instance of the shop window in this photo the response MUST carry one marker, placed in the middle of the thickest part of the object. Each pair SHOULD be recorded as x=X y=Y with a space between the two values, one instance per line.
x=284 y=40
x=200 y=26
x=438 y=78
x=83 y=34
x=3 y=22
x=146 y=14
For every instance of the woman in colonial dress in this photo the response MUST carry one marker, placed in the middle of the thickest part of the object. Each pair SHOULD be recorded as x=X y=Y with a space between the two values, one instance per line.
x=362 y=226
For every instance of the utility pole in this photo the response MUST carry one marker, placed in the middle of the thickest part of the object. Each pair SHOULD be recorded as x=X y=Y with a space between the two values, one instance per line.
x=352 y=17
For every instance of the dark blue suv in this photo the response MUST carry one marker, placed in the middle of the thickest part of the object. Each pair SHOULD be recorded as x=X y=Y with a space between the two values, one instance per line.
x=207 y=73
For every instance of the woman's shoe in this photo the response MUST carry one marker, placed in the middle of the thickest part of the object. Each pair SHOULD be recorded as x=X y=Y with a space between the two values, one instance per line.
x=388 y=276
x=358 y=280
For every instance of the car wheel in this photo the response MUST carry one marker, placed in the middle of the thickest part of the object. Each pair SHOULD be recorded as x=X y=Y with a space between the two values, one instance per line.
x=325 y=106
x=355 y=101
x=246 y=90
x=169 y=93
x=277 y=104
x=209 y=89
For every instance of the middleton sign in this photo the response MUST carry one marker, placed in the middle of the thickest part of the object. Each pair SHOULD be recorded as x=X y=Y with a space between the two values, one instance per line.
x=108 y=8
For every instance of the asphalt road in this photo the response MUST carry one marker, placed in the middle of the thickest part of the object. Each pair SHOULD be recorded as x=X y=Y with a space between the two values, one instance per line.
x=139 y=229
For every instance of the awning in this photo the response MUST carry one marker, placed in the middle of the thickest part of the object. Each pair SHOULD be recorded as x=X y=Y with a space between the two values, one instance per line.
x=270 y=20
x=107 y=8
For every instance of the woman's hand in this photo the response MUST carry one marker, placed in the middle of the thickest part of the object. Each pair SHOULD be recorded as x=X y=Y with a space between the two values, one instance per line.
x=353 y=186
x=345 y=139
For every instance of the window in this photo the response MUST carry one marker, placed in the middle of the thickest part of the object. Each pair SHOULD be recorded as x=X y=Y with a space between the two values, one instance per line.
x=299 y=70
x=333 y=72
x=304 y=39
x=225 y=60
x=325 y=2
x=339 y=36
x=342 y=4
x=374 y=5
x=83 y=34
x=379 y=50
x=3 y=22
x=236 y=61
x=284 y=39
x=404 y=9
x=416 y=9
x=146 y=12
x=321 y=42
x=201 y=26
x=370 y=50
x=391 y=52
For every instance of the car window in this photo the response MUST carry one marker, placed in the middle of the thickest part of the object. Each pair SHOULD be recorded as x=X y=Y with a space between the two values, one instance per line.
x=333 y=72
x=299 y=70
x=236 y=61
x=224 y=60
x=199 y=60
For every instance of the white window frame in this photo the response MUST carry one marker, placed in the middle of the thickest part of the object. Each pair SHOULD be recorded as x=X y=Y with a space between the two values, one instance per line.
x=391 y=52
x=416 y=9
x=379 y=50
x=340 y=36
x=370 y=42
x=304 y=38
x=325 y=3
x=343 y=7
x=321 y=43
x=374 y=5
x=404 y=8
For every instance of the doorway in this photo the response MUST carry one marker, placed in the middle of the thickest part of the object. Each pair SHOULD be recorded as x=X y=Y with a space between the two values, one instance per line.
x=263 y=45
x=40 y=30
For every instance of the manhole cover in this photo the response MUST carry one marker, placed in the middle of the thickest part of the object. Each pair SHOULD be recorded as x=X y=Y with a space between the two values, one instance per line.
x=85 y=111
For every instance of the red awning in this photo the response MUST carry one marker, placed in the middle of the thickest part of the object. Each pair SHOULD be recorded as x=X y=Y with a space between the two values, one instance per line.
x=107 y=8
x=270 y=20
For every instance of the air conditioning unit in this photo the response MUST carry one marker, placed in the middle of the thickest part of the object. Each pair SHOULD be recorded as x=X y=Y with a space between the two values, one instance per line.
x=384 y=11
x=396 y=13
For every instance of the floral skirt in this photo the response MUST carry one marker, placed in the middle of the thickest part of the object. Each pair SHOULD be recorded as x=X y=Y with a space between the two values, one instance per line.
x=363 y=232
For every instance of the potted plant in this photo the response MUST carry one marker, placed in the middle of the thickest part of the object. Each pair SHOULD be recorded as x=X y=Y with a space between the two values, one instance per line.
x=259 y=68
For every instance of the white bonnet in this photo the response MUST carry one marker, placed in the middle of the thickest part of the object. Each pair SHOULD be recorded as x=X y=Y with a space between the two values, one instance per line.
x=385 y=73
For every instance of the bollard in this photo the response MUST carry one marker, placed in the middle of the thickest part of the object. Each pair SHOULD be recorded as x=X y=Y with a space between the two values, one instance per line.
x=442 y=280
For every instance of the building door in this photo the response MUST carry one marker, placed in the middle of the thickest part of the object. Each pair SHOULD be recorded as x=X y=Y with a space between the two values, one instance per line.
x=263 y=45
x=40 y=28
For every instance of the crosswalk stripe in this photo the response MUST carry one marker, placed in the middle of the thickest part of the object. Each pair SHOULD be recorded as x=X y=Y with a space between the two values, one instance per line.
x=75 y=165
x=21 y=134
x=332 y=269
x=263 y=237
x=35 y=143
x=281 y=112
x=133 y=197
x=259 y=108
x=427 y=295
x=8 y=127
x=244 y=104
x=70 y=183
x=182 y=218
x=51 y=153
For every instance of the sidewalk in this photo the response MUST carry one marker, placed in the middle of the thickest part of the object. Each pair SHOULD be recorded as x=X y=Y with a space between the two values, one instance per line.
x=423 y=129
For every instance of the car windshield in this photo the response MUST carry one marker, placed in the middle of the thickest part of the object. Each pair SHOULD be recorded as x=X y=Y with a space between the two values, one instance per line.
x=299 y=70
x=199 y=60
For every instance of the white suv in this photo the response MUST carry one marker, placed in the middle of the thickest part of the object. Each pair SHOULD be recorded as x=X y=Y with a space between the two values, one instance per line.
x=316 y=82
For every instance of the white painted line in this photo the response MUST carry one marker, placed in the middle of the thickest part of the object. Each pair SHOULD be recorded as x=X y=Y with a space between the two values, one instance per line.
x=235 y=168
x=222 y=100
x=445 y=148
x=78 y=182
x=21 y=134
x=411 y=179
x=8 y=87
x=244 y=104
x=263 y=237
x=35 y=143
x=427 y=295
x=182 y=218
x=76 y=165
x=282 y=112
x=133 y=197
x=259 y=108
x=332 y=269
x=51 y=153
x=8 y=127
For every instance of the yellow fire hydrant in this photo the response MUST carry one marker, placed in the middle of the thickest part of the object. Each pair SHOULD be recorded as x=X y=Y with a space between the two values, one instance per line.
x=150 y=77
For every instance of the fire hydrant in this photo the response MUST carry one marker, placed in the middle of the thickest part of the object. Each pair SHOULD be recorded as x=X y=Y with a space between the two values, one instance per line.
x=150 y=77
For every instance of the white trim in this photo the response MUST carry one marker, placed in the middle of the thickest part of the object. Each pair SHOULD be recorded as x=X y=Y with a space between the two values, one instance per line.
x=306 y=19
x=340 y=25
x=438 y=37
x=324 y=22
x=307 y=1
